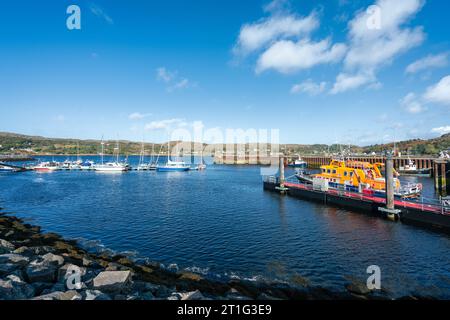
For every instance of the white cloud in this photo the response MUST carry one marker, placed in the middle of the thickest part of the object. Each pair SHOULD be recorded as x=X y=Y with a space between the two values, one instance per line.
x=173 y=81
x=345 y=82
x=182 y=84
x=441 y=130
x=166 y=124
x=411 y=103
x=99 y=12
x=373 y=46
x=256 y=35
x=164 y=75
x=286 y=56
x=430 y=61
x=309 y=87
x=440 y=92
x=138 y=116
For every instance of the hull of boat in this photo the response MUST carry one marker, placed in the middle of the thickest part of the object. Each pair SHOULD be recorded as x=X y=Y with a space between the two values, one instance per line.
x=169 y=169
x=302 y=166
x=46 y=169
x=111 y=169
x=420 y=172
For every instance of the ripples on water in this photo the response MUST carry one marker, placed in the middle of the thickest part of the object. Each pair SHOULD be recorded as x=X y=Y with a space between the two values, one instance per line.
x=221 y=222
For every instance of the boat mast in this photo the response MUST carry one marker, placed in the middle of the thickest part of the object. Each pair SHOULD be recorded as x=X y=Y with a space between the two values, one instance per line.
x=103 y=149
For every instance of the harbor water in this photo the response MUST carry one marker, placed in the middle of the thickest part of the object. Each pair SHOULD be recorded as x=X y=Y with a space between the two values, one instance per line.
x=220 y=222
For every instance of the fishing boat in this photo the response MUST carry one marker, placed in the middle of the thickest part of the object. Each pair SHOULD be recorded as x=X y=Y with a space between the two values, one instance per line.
x=299 y=163
x=47 y=166
x=115 y=166
x=360 y=177
x=171 y=166
x=411 y=169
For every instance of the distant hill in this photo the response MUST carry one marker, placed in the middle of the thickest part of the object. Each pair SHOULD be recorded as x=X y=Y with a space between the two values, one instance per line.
x=12 y=143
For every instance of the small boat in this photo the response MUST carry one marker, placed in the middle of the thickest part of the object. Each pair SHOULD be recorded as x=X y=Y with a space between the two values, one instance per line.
x=202 y=165
x=87 y=165
x=299 y=163
x=115 y=166
x=411 y=169
x=8 y=169
x=112 y=167
x=173 y=166
x=48 y=166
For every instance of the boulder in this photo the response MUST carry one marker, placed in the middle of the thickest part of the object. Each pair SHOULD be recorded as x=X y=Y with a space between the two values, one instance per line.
x=95 y=295
x=112 y=281
x=147 y=296
x=60 y=295
x=193 y=295
x=6 y=246
x=14 y=258
x=70 y=269
x=13 y=288
x=41 y=272
x=51 y=258
x=357 y=287
x=8 y=268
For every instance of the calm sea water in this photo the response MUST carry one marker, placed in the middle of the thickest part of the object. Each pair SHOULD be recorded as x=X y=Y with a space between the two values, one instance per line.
x=221 y=222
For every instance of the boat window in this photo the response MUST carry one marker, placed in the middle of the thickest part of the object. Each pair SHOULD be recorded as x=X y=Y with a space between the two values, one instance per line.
x=345 y=173
x=328 y=171
x=334 y=171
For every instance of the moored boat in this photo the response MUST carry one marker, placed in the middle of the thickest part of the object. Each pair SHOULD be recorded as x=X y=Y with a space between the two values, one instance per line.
x=173 y=166
x=360 y=177
x=7 y=169
x=115 y=166
x=47 y=166
x=299 y=163
x=411 y=169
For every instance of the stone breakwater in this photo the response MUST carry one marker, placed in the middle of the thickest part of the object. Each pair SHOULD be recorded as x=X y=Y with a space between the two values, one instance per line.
x=44 y=266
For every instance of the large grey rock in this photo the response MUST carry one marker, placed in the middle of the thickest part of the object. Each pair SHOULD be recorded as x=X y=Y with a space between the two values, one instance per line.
x=147 y=296
x=193 y=295
x=8 y=268
x=95 y=295
x=70 y=269
x=112 y=281
x=6 y=246
x=41 y=272
x=51 y=258
x=60 y=295
x=13 y=288
x=14 y=258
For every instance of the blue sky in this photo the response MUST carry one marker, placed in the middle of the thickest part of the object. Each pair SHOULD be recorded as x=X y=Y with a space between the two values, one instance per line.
x=319 y=71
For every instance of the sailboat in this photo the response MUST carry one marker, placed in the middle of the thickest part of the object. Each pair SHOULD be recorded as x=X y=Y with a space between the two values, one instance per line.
x=202 y=165
x=142 y=166
x=153 y=164
x=111 y=166
x=172 y=165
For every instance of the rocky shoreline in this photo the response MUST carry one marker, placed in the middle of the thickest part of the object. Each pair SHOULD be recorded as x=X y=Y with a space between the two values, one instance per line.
x=44 y=266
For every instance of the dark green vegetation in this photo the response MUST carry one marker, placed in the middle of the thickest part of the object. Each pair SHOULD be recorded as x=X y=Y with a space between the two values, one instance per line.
x=11 y=143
